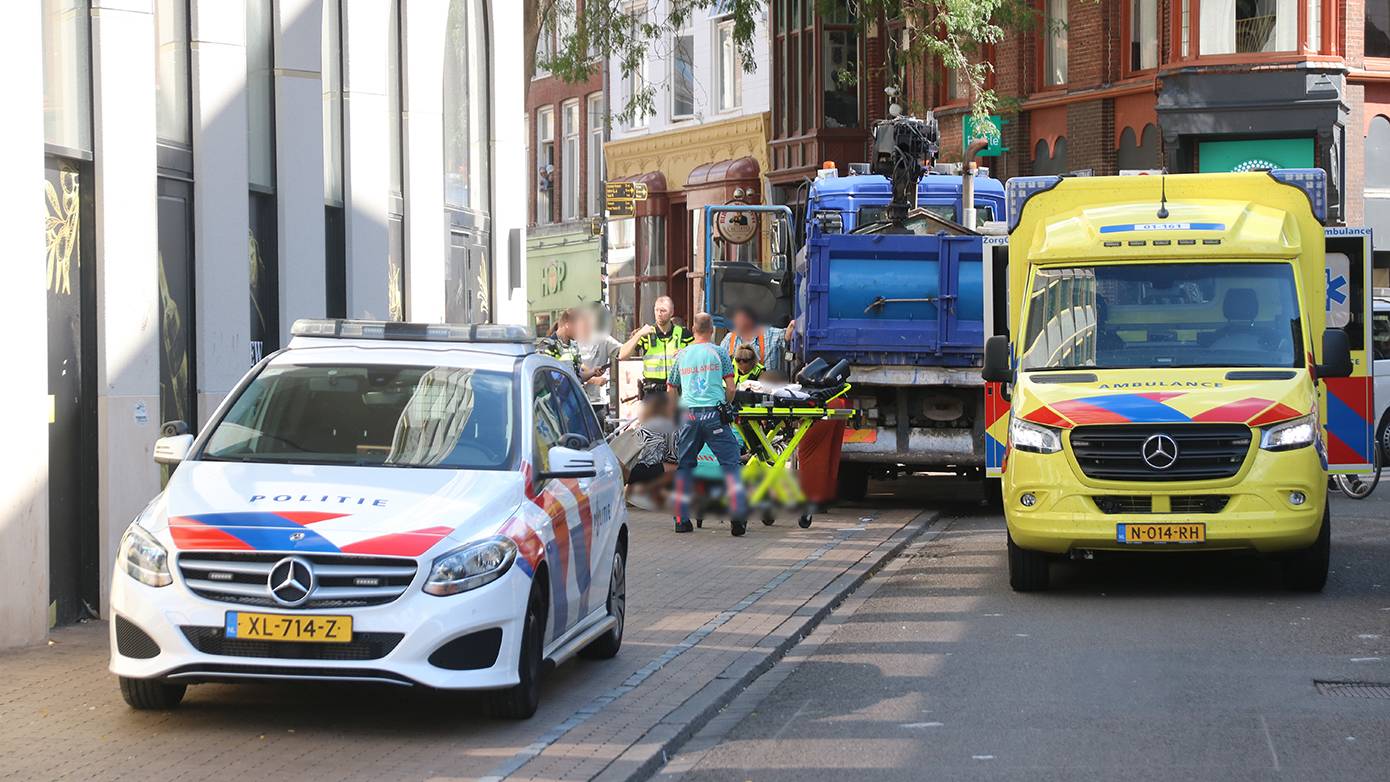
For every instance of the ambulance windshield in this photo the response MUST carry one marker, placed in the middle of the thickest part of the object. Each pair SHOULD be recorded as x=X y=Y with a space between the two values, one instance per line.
x=1136 y=316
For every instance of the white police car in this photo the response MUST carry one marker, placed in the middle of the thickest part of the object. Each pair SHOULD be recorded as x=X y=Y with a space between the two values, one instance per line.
x=379 y=502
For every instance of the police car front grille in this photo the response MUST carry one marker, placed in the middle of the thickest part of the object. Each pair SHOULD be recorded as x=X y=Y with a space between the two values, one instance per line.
x=363 y=646
x=342 y=580
x=1205 y=451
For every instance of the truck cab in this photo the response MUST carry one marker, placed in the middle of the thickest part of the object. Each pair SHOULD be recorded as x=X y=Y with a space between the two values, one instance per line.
x=1180 y=374
x=838 y=204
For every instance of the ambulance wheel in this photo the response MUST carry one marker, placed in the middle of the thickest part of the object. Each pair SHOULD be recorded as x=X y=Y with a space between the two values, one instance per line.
x=521 y=700
x=151 y=694
x=804 y=521
x=1028 y=570
x=606 y=646
x=1306 y=570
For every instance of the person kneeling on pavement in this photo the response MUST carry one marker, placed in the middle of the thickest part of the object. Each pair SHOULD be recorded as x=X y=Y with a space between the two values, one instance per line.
x=703 y=376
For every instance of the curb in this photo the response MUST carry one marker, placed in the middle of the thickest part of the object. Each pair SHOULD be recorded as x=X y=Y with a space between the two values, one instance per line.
x=645 y=757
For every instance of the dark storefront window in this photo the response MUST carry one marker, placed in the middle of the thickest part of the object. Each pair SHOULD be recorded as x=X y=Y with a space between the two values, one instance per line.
x=177 y=397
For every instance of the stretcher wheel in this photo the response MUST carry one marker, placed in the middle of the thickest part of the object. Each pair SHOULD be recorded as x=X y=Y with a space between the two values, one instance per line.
x=768 y=518
x=804 y=521
x=700 y=523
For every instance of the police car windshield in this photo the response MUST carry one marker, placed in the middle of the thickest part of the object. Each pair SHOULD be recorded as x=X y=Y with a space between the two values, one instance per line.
x=1138 y=316
x=380 y=416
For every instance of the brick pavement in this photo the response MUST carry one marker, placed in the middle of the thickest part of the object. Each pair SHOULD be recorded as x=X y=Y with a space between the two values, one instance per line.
x=707 y=613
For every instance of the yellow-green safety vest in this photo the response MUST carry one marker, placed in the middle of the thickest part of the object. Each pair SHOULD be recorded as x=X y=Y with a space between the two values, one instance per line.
x=659 y=353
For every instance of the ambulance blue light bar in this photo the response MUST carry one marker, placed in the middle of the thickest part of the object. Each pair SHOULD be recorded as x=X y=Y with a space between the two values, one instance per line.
x=338 y=328
x=1019 y=189
x=1313 y=183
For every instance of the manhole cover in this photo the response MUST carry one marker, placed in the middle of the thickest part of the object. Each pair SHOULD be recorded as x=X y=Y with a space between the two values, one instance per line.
x=1354 y=689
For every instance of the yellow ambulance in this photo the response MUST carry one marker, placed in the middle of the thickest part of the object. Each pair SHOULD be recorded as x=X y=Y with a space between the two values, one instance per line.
x=1182 y=369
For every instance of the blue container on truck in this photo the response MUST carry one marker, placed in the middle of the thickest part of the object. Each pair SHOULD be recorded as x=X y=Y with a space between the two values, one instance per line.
x=911 y=313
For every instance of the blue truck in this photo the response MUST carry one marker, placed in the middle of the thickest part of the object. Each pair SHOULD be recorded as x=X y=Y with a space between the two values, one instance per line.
x=911 y=312
x=889 y=279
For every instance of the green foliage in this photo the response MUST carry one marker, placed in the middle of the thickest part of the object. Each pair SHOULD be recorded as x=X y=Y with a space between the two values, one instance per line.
x=954 y=33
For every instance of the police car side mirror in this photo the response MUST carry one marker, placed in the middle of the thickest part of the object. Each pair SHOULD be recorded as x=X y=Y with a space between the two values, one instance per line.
x=569 y=463
x=172 y=450
x=1336 y=354
x=997 y=367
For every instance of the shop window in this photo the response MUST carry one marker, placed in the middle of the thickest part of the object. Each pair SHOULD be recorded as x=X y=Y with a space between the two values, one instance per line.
x=594 y=178
x=683 y=77
x=1247 y=26
x=841 y=74
x=1378 y=29
x=331 y=55
x=1055 y=43
x=67 y=94
x=1143 y=35
x=728 y=68
x=545 y=164
x=466 y=121
x=171 y=72
x=569 y=160
x=260 y=96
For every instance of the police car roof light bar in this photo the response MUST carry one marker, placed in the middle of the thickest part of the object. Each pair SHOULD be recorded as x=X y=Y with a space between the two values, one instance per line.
x=338 y=328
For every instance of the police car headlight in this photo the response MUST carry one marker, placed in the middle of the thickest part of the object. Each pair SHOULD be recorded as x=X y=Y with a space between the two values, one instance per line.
x=1298 y=433
x=471 y=566
x=1028 y=436
x=143 y=558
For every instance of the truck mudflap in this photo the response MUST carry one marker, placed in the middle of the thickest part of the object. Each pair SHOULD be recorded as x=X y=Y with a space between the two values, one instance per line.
x=1348 y=403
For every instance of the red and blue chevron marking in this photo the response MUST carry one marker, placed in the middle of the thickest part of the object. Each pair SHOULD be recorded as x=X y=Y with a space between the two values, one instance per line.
x=1350 y=438
x=289 y=531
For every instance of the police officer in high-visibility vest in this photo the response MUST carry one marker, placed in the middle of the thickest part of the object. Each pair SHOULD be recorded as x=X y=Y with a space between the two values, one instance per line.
x=659 y=344
x=562 y=345
x=746 y=364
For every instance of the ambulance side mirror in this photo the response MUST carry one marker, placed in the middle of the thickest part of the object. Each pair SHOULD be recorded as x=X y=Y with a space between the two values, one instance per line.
x=1336 y=354
x=998 y=368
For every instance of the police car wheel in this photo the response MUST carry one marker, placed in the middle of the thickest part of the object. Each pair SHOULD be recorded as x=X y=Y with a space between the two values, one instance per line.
x=606 y=646
x=151 y=694
x=1028 y=570
x=1306 y=570
x=521 y=700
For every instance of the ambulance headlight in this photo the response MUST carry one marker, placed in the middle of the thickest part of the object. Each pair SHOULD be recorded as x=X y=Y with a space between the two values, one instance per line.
x=470 y=567
x=143 y=558
x=1030 y=437
x=1290 y=435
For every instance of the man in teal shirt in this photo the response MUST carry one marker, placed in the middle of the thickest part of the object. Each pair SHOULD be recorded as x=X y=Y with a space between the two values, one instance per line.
x=703 y=376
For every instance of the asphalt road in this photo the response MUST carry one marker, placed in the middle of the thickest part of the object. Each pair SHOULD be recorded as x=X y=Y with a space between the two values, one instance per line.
x=1173 y=667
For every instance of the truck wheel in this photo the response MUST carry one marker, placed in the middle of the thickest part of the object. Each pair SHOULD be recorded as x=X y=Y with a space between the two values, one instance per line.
x=151 y=694
x=1306 y=570
x=1028 y=570
x=521 y=700
x=852 y=483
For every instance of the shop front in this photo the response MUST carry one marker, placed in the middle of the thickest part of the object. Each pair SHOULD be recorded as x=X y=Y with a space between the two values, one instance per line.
x=658 y=250
x=562 y=271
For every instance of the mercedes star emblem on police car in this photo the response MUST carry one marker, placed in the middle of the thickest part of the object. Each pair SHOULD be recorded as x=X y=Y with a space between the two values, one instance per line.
x=1159 y=451
x=291 y=581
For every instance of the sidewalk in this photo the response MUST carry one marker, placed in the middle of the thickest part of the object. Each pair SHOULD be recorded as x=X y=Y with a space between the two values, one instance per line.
x=707 y=614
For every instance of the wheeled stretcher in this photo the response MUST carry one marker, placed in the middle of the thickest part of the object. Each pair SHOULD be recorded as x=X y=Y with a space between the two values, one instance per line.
x=771 y=424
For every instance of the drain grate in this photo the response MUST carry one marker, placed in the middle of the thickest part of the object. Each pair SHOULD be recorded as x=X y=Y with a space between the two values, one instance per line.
x=1353 y=689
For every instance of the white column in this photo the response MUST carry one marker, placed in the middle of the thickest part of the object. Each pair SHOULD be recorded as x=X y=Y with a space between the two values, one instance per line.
x=127 y=271
x=366 y=150
x=24 y=299
x=426 y=239
x=299 y=160
x=508 y=147
x=220 y=199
